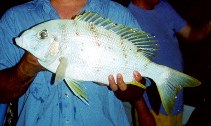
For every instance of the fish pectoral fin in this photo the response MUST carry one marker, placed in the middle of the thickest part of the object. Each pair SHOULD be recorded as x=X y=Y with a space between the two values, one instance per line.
x=136 y=83
x=61 y=69
x=77 y=89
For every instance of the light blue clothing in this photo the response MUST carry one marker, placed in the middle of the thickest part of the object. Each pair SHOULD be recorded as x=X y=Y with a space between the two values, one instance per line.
x=3 y=110
x=163 y=22
x=45 y=104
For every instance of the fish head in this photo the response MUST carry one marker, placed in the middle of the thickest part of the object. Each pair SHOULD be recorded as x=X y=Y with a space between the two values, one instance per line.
x=41 y=41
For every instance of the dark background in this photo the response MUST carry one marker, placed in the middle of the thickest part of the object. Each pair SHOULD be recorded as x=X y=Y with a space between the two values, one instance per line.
x=197 y=57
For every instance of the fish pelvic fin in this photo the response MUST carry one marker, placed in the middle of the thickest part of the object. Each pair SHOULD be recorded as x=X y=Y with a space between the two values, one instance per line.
x=77 y=89
x=61 y=69
x=169 y=82
x=144 y=42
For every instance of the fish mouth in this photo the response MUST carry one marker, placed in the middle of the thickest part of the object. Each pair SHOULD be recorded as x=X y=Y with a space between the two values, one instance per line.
x=19 y=41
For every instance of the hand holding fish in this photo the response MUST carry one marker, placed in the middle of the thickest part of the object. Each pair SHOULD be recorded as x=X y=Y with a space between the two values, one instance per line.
x=29 y=65
x=133 y=94
x=127 y=92
x=20 y=77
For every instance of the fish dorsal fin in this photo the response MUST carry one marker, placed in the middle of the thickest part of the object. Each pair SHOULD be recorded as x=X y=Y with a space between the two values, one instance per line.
x=144 y=42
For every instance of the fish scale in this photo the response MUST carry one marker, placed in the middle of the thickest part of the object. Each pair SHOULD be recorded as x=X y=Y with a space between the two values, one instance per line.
x=90 y=48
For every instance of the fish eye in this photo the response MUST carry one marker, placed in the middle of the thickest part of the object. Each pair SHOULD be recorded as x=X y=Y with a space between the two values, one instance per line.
x=43 y=34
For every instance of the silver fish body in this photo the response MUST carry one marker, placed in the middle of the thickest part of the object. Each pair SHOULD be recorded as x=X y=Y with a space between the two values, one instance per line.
x=89 y=48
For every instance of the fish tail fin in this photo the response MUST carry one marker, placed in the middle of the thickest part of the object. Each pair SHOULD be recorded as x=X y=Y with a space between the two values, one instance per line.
x=169 y=82
x=77 y=90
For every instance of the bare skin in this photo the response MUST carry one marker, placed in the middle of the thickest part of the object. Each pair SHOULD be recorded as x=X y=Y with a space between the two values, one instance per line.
x=16 y=80
x=67 y=9
x=134 y=95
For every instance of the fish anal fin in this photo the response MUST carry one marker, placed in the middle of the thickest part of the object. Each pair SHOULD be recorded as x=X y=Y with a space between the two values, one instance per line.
x=136 y=83
x=77 y=89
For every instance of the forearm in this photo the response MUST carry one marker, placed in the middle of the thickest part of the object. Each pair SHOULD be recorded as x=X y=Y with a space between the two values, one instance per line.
x=145 y=117
x=14 y=81
x=200 y=33
x=13 y=84
x=194 y=33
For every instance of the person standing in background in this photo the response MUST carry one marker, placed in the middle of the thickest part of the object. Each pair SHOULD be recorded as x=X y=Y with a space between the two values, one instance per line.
x=158 y=18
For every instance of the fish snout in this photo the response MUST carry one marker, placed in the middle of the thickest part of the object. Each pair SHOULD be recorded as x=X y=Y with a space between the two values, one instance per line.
x=19 y=41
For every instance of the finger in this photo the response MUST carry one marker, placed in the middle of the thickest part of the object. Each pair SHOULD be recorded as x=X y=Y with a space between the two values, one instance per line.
x=112 y=83
x=121 y=84
x=138 y=77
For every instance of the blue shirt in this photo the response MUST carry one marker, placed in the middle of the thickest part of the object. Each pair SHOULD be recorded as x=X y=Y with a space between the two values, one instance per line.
x=163 y=22
x=45 y=104
x=3 y=111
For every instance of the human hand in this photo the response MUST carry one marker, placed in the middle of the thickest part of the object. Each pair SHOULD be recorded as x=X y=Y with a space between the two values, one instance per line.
x=127 y=92
x=29 y=65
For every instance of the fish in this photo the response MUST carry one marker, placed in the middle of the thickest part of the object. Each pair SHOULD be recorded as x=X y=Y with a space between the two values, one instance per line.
x=91 y=47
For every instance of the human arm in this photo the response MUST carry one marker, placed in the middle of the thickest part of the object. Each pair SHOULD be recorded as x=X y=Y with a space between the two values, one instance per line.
x=193 y=33
x=15 y=80
x=134 y=95
x=187 y=30
x=145 y=117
